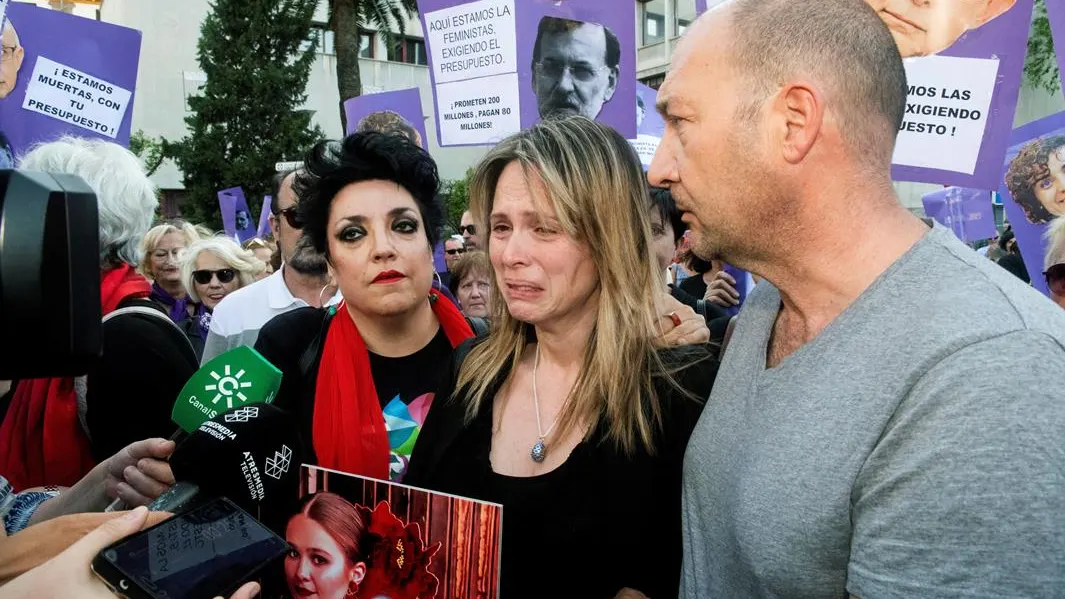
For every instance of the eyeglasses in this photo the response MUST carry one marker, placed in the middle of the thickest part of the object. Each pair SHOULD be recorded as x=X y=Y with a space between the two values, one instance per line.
x=8 y=52
x=203 y=277
x=554 y=70
x=174 y=254
x=472 y=229
x=1055 y=276
x=291 y=217
x=454 y=252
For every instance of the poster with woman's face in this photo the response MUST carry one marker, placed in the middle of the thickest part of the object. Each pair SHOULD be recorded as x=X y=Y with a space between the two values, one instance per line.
x=1033 y=187
x=359 y=538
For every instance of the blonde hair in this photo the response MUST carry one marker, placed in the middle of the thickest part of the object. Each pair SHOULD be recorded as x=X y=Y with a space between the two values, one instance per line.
x=155 y=236
x=243 y=261
x=1055 y=238
x=595 y=184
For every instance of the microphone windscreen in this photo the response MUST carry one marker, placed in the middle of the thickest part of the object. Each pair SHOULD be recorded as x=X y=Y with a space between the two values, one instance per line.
x=239 y=377
x=250 y=455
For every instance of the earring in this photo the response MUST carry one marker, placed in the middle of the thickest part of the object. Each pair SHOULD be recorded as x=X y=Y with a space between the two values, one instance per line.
x=321 y=302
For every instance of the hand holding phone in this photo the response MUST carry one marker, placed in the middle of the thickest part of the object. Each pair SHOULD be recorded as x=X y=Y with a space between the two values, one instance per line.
x=208 y=551
x=69 y=574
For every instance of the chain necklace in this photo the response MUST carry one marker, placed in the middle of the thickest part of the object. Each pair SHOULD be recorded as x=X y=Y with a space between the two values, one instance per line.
x=539 y=451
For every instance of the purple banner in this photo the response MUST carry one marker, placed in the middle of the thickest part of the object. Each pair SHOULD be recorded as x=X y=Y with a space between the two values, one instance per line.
x=498 y=66
x=700 y=6
x=82 y=86
x=236 y=217
x=1033 y=187
x=388 y=112
x=967 y=212
x=649 y=125
x=1056 y=14
x=964 y=62
x=263 y=232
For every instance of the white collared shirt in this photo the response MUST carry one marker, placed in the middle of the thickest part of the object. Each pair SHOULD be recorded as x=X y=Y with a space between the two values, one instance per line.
x=239 y=316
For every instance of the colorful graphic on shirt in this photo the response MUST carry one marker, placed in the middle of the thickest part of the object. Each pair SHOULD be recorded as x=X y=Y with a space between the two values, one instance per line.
x=403 y=421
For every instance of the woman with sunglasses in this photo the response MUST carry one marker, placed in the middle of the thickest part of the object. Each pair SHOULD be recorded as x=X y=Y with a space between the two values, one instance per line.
x=1055 y=260
x=212 y=269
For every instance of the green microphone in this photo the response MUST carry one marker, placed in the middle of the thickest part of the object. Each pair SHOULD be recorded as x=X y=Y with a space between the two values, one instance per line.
x=239 y=377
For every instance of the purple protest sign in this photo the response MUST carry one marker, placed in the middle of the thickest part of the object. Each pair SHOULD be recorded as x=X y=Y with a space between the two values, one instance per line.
x=1056 y=14
x=397 y=111
x=82 y=86
x=964 y=81
x=962 y=97
x=263 y=231
x=1033 y=187
x=236 y=217
x=700 y=6
x=498 y=66
x=649 y=125
x=967 y=212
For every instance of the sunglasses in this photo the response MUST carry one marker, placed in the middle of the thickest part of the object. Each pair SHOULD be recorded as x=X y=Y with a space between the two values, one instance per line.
x=471 y=229
x=1055 y=276
x=290 y=216
x=203 y=277
x=453 y=252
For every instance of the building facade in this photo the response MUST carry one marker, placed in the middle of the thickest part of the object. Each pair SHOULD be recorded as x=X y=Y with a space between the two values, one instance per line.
x=169 y=73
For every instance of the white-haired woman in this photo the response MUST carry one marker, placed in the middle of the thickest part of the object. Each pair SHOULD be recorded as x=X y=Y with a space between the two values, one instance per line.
x=161 y=251
x=210 y=270
x=1055 y=260
x=56 y=429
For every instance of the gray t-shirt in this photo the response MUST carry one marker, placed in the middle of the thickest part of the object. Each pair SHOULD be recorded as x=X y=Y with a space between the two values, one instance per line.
x=915 y=448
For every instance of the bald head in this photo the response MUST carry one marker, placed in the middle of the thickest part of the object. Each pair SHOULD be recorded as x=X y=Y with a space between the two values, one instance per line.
x=842 y=45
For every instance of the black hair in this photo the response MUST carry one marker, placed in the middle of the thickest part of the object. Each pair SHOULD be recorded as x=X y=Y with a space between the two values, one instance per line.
x=368 y=156
x=275 y=190
x=555 y=25
x=662 y=201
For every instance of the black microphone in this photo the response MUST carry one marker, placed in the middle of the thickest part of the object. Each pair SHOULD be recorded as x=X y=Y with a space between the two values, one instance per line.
x=249 y=455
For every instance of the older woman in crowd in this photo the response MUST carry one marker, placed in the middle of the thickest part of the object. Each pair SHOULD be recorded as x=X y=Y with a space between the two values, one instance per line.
x=161 y=251
x=1055 y=260
x=57 y=429
x=361 y=377
x=569 y=413
x=471 y=278
x=210 y=270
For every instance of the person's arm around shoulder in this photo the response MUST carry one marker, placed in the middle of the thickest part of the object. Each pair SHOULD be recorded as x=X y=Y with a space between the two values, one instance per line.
x=964 y=492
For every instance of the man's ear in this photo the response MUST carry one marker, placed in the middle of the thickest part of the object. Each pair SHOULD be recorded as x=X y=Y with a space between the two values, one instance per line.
x=20 y=55
x=612 y=84
x=994 y=8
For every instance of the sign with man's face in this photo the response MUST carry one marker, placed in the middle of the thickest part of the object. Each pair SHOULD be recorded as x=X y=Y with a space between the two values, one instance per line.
x=964 y=60
x=1033 y=188
x=83 y=86
x=236 y=217
x=498 y=66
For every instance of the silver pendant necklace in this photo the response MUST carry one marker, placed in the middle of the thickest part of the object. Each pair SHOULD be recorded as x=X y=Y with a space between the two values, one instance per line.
x=539 y=451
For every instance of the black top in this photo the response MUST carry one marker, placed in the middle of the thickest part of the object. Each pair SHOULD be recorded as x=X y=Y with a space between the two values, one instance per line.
x=131 y=390
x=405 y=386
x=191 y=326
x=694 y=285
x=600 y=522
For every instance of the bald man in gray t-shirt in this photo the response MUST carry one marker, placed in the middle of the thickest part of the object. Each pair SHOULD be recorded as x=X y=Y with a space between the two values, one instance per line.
x=915 y=448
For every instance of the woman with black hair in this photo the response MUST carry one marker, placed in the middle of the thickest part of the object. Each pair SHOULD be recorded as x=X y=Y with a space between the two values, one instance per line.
x=361 y=376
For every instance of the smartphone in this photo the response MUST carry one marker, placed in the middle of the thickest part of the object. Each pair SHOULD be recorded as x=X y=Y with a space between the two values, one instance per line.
x=208 y=551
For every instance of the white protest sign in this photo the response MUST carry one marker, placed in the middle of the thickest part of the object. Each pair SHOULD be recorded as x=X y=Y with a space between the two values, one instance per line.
x=71 y=96
x=645 y=146
x=478 y=114
x=475 y=63
x=946 y=112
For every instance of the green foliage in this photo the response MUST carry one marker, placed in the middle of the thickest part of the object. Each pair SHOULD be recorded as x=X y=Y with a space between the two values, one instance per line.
x=248 y=116
x=149 y=149
x=456 y=197
x=1040 y=65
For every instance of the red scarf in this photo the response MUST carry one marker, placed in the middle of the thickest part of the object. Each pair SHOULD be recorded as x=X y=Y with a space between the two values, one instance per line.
x=349 y=426
x=43 y=439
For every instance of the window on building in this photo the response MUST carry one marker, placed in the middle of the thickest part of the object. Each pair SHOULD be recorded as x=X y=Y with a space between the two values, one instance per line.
x=654 y=81
x=410 y=50
x=683 y=15
x=322 y=39
x=653 y=18
x=366 y=39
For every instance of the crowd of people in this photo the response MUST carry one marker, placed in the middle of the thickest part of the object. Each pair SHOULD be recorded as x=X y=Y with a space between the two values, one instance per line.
x=879 y=420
